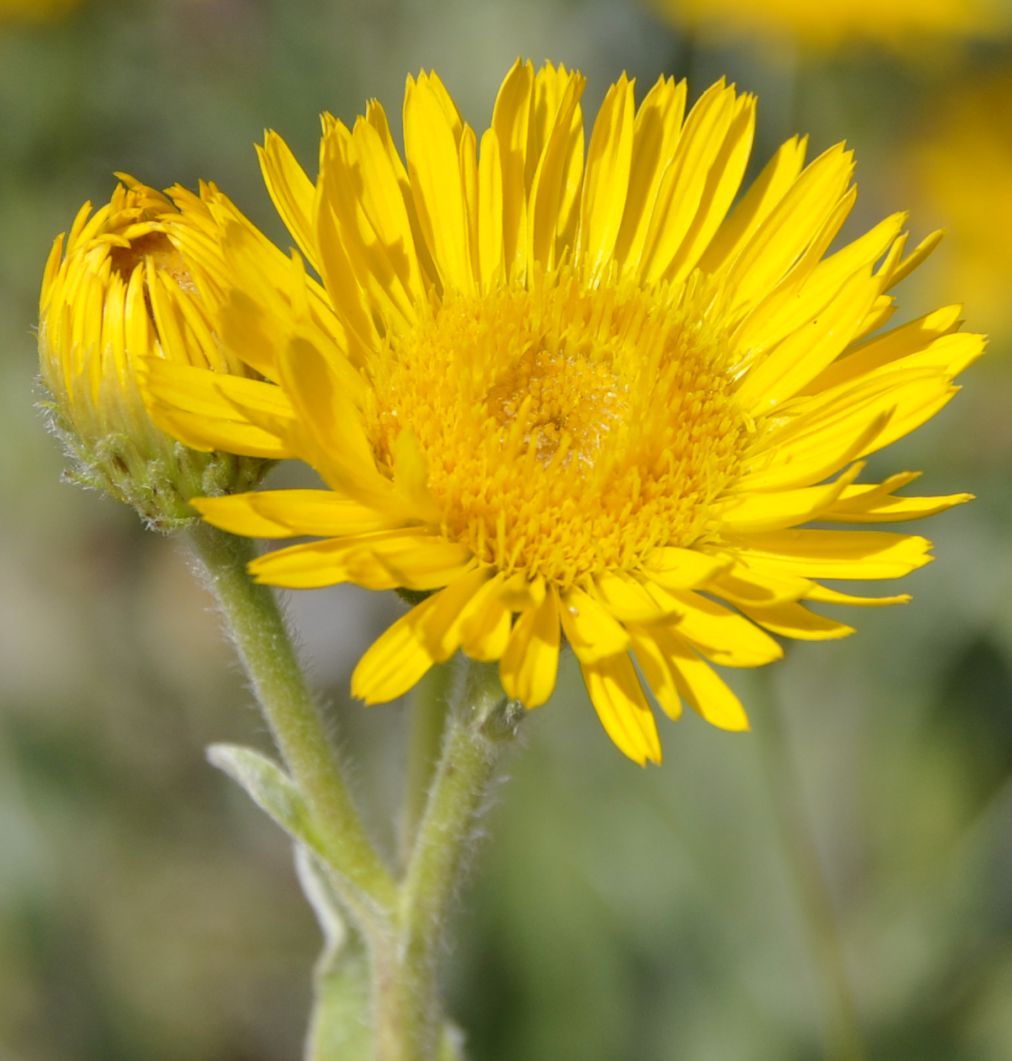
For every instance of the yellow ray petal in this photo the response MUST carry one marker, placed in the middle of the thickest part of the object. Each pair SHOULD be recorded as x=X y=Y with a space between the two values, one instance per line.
x=901 y=350
x=606 y=180
x=628 y=600
x=888 y=406
x=184 y=329
x=520 y=593
x=395 y=662
x=676 y=568
x=723 y=179
x=205 y=410
x=529 y=665
x=762 y=196
x=815 y=283
x=682 y=186
x=383 y=202
x=618 y=698
x=430 y=143
x=824 y=595
x=288 y=513
x=399 y=658
x=792 y=224
x=264 y=288
x=485 y=622
x=441 y=629
x=704 y=690
x=557 y=180
x=511 y=123
x=657 y=671
x=491 y=263
x=791 y=619
x=796 y=458
x=330 y=426
x=386 y=560
x=802 y=355
x=655 y=134
x=370 y=229
x=906 y=266
x=876 y=503
x=336 y=267
x=744 y=584
x=591 y=631
x=719 y=633
x=291 y=191
x=838 y=554
x=750 y=512
x=695 y=681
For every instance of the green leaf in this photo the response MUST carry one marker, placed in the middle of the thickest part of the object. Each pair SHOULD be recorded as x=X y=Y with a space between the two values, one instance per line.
x=270 y=788
x=319 y=891
x=341 y=1021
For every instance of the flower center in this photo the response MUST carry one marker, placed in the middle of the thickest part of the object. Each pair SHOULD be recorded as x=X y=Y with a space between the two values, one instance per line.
x=562 y=400
x=567 y=431
x=156 y=247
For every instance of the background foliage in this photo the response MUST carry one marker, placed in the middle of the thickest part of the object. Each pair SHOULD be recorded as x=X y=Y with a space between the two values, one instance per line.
x=147 y=912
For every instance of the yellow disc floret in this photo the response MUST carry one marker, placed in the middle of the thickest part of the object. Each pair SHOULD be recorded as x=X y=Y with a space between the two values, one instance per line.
x=567 y=431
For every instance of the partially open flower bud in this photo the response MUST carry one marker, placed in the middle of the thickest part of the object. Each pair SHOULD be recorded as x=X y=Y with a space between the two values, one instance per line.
x=119 y=289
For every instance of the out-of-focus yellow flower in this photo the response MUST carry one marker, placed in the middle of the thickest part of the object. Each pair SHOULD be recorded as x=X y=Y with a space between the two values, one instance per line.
x=36 y=10
x=898 y=24
x=960 y=173
x=120 y=287
x=576 y=397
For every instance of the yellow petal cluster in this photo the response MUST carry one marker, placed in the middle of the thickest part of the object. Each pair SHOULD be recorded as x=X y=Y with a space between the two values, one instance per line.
x=575 y=390
x=119 y=288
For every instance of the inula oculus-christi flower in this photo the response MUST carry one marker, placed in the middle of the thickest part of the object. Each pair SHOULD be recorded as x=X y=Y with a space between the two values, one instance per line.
x=574 y=392
x=121 y=287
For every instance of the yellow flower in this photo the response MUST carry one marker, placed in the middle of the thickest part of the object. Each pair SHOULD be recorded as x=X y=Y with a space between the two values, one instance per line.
x=35 y=10
x=959 y=170
x=120 y=287
x=898 y=24
x=576 y=398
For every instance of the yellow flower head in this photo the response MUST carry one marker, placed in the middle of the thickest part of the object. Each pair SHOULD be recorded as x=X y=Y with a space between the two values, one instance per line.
x=36 y=10
x=120 y=287
x=903 y=25
x=576 y=395
x=958 y=167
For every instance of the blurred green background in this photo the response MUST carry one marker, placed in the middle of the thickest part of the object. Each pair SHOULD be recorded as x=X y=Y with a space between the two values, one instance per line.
x=148 y=912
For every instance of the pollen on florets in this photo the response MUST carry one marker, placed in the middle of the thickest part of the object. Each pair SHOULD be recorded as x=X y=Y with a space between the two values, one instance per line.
x=568 y=430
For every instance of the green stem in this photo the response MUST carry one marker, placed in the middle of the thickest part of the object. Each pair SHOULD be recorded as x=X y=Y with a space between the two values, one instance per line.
x=844 y=1038
x=407 y=1009
x=427 y=722
x=265 y=647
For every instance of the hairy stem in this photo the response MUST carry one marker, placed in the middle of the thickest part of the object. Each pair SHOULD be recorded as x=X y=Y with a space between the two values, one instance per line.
x=265 y=647
x=430 y=706
x=408 y=1012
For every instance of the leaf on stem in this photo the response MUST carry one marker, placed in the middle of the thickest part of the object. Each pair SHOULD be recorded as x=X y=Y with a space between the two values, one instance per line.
x=270 y=788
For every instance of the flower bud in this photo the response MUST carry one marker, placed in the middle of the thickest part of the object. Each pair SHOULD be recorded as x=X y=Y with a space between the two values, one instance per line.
x=122 y=287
